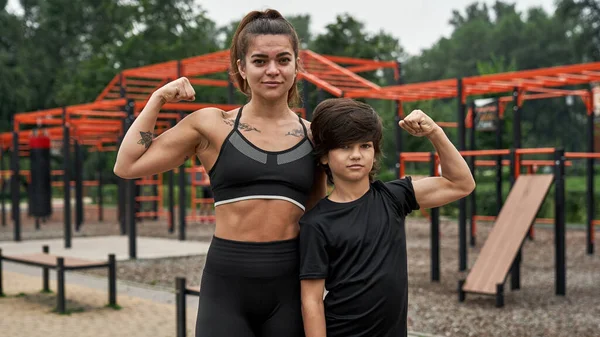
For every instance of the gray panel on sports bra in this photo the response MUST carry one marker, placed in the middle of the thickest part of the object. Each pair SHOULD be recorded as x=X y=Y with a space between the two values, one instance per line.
x=295 y=154
x=246 y=149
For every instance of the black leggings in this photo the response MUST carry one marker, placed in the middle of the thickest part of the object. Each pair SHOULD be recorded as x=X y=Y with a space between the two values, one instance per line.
x=250 y=290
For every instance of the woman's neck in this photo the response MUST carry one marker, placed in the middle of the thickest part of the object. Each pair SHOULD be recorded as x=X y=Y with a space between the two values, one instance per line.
x=268 y=109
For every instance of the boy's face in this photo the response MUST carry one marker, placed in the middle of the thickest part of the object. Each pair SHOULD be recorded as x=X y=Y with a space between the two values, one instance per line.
x=351 y=163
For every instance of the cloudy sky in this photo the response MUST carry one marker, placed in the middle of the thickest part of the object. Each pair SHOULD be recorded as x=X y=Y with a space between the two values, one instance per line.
x=418 y=24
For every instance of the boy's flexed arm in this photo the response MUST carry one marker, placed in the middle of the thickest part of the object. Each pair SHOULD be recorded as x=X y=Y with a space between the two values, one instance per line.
x=456 y=181
x=313 y=311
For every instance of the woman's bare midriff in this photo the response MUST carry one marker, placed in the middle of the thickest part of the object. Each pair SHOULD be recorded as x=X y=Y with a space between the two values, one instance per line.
x=257 y=220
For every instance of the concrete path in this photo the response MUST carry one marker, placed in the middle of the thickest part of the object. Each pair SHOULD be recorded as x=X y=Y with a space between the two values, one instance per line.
x=98 y=248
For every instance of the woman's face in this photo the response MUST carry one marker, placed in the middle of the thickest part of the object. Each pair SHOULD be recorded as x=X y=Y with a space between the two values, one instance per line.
x=269 y=66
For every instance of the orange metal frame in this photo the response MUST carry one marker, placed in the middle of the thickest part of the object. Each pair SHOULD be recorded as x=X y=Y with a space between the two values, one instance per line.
x=539 y=80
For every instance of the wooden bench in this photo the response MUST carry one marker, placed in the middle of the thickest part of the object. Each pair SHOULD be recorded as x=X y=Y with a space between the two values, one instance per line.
x=181 y=291
x=500 y=251
x=61 y=265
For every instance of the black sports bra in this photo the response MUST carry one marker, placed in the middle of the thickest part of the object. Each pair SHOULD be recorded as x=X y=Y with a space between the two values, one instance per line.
x=243 y=171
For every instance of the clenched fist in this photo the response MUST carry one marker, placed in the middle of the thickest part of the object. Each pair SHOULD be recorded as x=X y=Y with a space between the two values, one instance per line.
x=418 y=124
x=179 y=90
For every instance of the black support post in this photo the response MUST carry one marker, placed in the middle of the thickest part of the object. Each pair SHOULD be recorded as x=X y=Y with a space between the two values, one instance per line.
x=121 y=183
x=78 y=185
x=112 y=280
x=46 y=272
x=589 y=196
x=60 y=280
x=180 y=306
x=516 y=119
x=397 y=117
x=182 y=194
x=171 y=193
x=67 y=179
x=16 y=188
x=559 y=221
x=130 y=187
x=306 y=99
x=435 y=231
x=499 y=166
x=99 y=192
x=182 y=197
x=462 y=203
x=472 y=198
x=230 y=91
x=2 y=189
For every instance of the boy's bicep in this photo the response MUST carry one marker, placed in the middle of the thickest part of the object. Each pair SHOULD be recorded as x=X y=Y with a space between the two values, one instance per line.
x=314 y=260
x=404 y=192
x=312 y=289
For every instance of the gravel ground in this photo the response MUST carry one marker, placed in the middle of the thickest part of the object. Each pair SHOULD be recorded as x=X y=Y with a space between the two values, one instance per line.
x=533 y=310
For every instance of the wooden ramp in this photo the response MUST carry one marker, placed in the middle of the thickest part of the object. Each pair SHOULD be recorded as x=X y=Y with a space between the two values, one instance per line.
x=504 y=241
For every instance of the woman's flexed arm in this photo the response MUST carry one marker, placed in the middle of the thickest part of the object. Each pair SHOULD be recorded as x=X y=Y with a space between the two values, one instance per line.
x=140 y=154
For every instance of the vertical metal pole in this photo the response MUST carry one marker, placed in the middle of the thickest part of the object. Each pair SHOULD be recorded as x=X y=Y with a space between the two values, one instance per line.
x=499 y=166
x=99 y=191
x=130 y=187
x=60 y=280
x=121 y=183
x=182 y=197
x=67 y=179
x=435 y=230
x=306 y=99
x=559 y=218
x=397 y=117
x=462 y=204
x=112 y=280
x=589 y=199
x=2 y=190
x=171 y=193
x=16 y=188
x=182 y=176
x=472 y=198
x=78 y=185
x=516 y=119
x=1 y=276
x=230 y=92
x=46 y=272
x=180 y=306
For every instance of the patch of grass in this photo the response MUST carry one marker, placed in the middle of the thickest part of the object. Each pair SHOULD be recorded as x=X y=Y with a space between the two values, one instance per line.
x=115 y=306
x=68 y=311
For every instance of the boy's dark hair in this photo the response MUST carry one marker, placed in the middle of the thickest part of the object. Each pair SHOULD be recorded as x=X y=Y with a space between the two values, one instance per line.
x=344 y=121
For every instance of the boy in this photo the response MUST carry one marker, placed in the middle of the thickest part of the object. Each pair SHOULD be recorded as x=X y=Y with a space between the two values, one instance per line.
x=353 y=241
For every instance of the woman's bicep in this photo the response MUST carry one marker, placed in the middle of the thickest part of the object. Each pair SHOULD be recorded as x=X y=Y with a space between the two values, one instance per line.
x=167 y=151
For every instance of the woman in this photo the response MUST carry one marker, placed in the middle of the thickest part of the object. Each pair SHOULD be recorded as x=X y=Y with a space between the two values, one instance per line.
x=263 y=176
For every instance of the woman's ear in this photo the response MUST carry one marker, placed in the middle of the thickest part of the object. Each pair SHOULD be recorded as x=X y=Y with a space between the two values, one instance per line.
x=241 y=68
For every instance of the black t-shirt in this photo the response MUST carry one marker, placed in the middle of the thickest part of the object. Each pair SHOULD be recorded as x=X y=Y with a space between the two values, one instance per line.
x=359 y=248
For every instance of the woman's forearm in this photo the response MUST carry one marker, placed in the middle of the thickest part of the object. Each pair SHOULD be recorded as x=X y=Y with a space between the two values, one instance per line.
x=140 y=134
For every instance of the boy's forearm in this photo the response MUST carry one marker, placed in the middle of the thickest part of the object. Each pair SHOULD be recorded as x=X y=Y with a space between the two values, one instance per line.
x=313 y=315
x=454 y=167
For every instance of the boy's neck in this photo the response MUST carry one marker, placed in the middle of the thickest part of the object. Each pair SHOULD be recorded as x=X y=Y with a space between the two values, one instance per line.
x=348 y=191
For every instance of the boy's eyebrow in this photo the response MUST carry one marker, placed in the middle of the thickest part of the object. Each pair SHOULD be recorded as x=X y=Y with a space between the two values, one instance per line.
x=285 y=53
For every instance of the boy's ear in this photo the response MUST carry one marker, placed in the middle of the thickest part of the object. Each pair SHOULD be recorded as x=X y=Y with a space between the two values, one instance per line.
x=324 y=160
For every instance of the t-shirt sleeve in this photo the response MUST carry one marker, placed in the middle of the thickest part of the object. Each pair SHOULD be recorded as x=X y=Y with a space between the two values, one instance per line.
x=314 y=261
x=403 y=191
